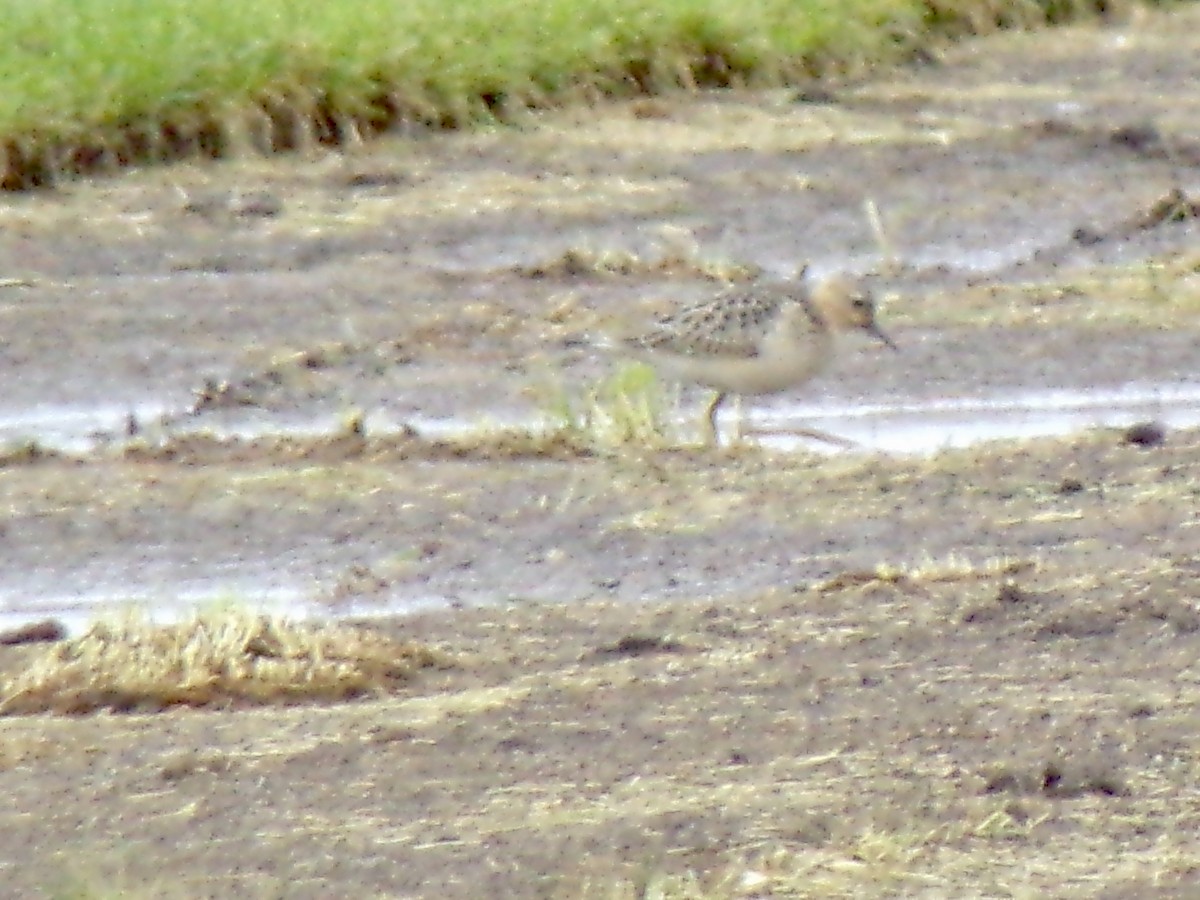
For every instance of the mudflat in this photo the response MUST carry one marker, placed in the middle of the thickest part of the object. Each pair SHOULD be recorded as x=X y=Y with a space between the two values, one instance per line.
x=672 y=671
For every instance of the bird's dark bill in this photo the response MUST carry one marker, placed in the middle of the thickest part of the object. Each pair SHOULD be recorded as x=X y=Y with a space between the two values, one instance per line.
x=882 y=336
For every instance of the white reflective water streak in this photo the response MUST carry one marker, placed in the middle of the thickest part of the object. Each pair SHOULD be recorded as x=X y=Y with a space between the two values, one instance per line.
x=922 y=427
x=163 y=605
x=83 y=429
x=76 y=612
x=71 y=428
x=895 y=426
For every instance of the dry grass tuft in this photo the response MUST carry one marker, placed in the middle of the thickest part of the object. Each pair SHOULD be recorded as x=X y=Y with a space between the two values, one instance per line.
x=215 y=659
x=925 y=573
x=485 y=443
x=679 y=258
x=25 y=453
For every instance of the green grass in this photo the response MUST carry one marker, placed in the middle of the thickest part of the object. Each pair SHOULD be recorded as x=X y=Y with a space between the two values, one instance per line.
x=629 y=408
x=97 y=84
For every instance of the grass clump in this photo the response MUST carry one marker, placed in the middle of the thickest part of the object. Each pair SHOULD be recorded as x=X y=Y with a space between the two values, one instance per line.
x=215 y=659
x=97 y=84
x=681 y=261
x=628 y=408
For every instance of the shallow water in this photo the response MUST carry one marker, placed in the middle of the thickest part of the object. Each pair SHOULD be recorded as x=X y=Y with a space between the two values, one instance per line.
x=69 y=428
x=914 y=427
x=74 y=611
x=921 y=427
x=73 y=591
x=898 y=427
x=932 y=425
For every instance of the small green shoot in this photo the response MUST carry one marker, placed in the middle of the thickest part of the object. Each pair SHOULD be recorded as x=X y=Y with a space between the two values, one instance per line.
x=629 y=408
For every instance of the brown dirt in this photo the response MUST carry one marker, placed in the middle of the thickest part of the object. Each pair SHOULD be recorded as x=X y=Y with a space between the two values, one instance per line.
x=725 y=673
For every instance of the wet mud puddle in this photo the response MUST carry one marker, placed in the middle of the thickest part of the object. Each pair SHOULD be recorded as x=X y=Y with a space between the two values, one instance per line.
x=897 y=427
x=933 y=425
x=162 y=585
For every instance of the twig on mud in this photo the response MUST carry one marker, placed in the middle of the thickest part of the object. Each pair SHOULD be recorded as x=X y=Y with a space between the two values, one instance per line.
x=891 y=260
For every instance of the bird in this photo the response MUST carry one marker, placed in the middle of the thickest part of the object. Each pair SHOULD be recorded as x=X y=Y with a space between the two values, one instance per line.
x=760 y=338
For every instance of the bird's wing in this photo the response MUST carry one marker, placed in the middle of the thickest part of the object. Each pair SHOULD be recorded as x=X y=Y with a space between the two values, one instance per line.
x=731 y=324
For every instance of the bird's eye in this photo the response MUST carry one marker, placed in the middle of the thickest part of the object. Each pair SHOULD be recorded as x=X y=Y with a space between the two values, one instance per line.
x=862 y=303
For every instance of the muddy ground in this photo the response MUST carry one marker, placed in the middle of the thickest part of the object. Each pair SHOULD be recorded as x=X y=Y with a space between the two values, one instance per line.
x=730 y=672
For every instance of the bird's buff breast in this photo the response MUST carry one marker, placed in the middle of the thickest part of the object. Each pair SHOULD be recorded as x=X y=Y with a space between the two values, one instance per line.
x=775 y=369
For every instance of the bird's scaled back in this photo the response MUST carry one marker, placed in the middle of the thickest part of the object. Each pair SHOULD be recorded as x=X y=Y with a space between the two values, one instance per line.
x=734 y=323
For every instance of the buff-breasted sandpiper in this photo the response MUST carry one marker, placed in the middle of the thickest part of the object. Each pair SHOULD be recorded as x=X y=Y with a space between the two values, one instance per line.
x=760 y=338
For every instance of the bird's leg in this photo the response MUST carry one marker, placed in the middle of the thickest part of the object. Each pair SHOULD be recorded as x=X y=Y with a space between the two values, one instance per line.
x=836 y=440
x=739 y=421
x=822 y=436
x=710 y=416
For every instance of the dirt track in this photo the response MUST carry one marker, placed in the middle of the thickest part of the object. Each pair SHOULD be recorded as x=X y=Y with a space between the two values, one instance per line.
x=970 y=674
